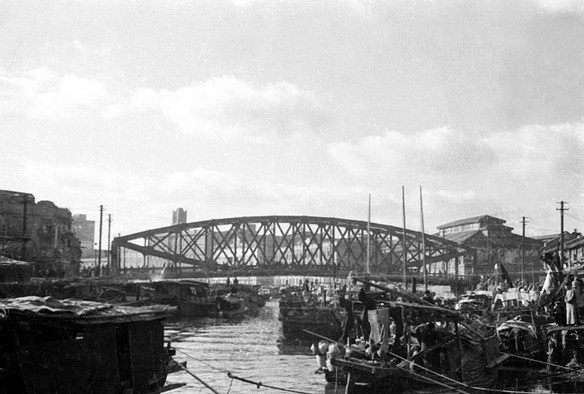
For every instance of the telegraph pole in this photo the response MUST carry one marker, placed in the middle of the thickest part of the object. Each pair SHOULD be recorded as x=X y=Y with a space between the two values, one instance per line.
x=24 y=214
x=109 y=229
x=562 y=209
x=523 y=221
x=99 y=273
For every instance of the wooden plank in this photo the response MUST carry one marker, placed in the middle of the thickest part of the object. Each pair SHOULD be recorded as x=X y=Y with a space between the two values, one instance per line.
x=498 y=361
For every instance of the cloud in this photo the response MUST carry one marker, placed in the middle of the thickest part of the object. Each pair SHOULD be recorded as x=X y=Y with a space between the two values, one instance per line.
x=431 y=152
x=466 y=174
x=40 y=94
x=216 y=108
x=70 y=98
x=560 y=6
x=227 y=106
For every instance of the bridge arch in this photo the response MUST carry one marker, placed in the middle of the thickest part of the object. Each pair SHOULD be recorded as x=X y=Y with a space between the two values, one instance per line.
x=288 y=244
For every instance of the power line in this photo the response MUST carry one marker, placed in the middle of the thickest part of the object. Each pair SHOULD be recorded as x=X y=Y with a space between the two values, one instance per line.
x=577 y=189
x=575 y=218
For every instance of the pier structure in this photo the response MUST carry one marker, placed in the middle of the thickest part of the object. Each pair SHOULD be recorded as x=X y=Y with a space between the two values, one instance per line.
x=288 y=245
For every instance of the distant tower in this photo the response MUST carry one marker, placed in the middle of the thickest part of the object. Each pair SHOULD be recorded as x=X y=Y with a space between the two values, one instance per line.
x=179 y=216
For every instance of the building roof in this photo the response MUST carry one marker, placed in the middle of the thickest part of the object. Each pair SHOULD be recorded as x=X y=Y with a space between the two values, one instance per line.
x=475 y=219
x=547 y=237
x=575 y=242
x=551 y=245
x=462 y=236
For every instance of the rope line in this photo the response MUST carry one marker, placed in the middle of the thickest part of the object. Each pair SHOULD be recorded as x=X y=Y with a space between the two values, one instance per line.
x=202 y=362
x=232 y=377
x=260 y=384
x=199 y=379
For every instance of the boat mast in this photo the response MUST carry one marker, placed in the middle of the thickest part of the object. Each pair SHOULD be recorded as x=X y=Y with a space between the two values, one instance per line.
x=368 y=235
x=423 y=241
x=405 y=256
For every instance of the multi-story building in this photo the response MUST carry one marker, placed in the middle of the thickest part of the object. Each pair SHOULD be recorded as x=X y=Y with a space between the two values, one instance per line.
x=84 y=230
x=573 y=249
x=45 y=228
x=495 y=245
x=179 y=216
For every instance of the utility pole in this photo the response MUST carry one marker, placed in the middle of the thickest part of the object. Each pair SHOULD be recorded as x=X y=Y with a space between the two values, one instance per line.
x=523 y=222
x=99 y=273
x=562 y=209
x=109 y=251
x=24 y=215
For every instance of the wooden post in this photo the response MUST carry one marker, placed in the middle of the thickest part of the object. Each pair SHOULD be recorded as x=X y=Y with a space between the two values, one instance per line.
x=349 y=386
x=459 y=350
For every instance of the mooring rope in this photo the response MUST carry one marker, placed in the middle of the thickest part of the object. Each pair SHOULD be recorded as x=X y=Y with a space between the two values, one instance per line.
x=202 y=362
x=260 y=384
x=199 y=379
x=231 y=376
x=539 y=362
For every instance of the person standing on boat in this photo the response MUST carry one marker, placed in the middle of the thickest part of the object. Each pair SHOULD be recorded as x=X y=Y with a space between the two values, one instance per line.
x=428 y=297
x=368 y=305
x=347 y=304
x=427 y=336
x=552 y=352
x=571 y=300
x=559 y=313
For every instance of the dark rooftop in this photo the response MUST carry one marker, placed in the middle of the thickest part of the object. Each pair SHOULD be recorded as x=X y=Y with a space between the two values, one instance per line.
x=475 y=219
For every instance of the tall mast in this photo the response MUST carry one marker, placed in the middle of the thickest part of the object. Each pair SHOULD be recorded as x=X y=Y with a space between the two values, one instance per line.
x=368 y=235
x=404 y=248
x=423 y=240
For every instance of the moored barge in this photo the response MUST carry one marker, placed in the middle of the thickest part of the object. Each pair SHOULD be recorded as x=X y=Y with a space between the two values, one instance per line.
x=73 y=346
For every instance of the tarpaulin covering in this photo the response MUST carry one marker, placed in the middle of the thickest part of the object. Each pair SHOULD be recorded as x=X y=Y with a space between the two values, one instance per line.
x=49 y=306
x=14 y=270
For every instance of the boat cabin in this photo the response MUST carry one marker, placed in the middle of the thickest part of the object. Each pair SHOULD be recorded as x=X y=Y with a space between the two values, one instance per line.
x=73 y=346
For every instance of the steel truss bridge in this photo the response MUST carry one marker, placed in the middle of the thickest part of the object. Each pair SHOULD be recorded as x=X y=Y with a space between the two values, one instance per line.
x=284 y=245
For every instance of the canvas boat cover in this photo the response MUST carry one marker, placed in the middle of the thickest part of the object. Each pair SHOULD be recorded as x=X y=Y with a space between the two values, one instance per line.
x=14 y=270
x=49 y=307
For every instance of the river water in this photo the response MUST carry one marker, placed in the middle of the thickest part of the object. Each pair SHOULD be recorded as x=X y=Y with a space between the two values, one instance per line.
x=250 y=348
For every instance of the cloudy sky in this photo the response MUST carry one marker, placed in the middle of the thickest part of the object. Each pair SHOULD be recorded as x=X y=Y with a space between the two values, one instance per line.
x=275 y=107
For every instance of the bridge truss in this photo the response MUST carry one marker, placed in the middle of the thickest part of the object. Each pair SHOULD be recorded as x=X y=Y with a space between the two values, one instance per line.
x=286 y=244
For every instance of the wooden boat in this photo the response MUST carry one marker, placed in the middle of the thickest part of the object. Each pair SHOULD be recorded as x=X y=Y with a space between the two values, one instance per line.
x=298 y=314
x=524 y=337
x=73 y=346
x=195 y=299
x=432 y=347
x=190 y=297
x=236 y=299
